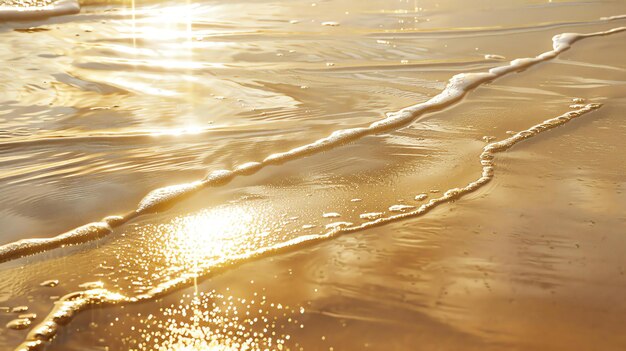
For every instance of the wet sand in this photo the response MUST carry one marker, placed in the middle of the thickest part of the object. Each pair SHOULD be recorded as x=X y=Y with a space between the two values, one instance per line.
x=112 y=104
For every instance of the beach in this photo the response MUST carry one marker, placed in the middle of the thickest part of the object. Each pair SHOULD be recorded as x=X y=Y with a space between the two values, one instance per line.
x=332 y=175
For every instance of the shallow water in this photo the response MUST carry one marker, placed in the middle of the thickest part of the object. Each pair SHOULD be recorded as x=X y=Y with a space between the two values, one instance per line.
x=132 y=109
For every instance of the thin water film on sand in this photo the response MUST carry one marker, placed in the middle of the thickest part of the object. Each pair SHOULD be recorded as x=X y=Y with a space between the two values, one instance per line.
x=290 y=175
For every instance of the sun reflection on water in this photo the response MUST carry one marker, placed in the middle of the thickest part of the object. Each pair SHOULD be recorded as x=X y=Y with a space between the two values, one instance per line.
x=164 y=39
x=218 y=322
x=162 y=23
x=193 y=246
x=209 y=236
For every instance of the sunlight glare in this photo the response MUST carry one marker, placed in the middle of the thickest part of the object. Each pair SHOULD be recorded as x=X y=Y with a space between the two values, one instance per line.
x=209 y=236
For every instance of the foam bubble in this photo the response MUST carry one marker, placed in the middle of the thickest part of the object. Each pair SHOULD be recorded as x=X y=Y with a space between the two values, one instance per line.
x=19 y=323
x=19 y=309
x=49 y=283
x=337 y=225
x=371 y=215
x=420 y=197
x=494 y=57
x=400 y=208
x=331 y=215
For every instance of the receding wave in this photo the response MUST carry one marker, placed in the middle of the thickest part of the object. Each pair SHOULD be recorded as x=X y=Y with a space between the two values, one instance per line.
x=157 y=200
x=69 y=305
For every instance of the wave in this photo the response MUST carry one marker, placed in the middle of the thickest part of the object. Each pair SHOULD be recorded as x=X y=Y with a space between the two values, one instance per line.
x=40 y=9
x=157 y=200
x=69 y=305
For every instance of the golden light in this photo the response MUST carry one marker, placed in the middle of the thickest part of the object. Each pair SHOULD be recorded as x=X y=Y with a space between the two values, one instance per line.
x=163 y=23
x=217 y=322
x=209 y=236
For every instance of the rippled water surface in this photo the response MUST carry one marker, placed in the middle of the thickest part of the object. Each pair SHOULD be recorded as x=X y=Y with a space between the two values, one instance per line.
x=296 y=175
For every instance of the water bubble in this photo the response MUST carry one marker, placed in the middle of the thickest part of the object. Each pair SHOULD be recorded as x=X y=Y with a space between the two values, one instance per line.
x=19 y=324
x=420 y=197
x=50 y=283
x=19 y=309
x=371 y=215
x=400 y=208
x=338 y=225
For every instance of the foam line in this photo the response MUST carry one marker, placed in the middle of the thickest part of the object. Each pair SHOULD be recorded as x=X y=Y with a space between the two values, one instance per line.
x=157 y=200
x=68 y=306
